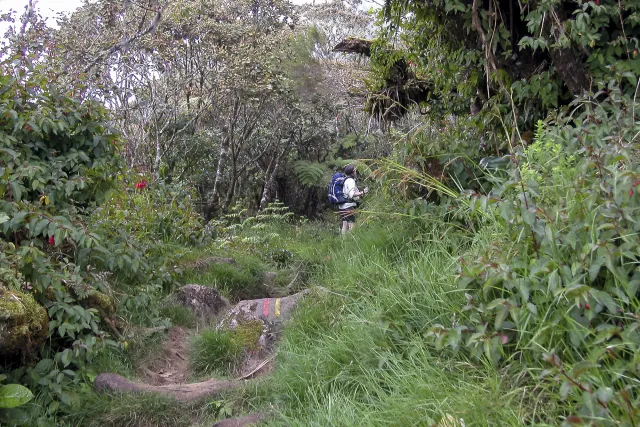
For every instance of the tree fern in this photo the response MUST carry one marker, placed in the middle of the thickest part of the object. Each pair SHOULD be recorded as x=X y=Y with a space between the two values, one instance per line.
x=309 y=174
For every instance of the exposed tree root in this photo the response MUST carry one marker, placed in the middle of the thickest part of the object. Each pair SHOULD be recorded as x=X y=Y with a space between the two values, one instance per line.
x=182 y=392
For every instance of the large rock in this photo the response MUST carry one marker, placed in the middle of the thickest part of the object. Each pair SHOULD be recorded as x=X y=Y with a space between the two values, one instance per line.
x=24 y=324
x=259 y=320
x=204 y=301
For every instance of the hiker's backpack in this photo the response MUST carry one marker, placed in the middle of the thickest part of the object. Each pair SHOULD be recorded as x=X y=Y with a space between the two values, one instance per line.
x=336 y=195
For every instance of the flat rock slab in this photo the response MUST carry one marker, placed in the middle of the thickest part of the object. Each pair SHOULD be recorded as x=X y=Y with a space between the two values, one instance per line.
x=242 y=421
x=204 y=301
x=182 y=392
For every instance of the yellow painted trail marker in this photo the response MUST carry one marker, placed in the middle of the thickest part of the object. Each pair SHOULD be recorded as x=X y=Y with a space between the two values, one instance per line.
x=277 y=307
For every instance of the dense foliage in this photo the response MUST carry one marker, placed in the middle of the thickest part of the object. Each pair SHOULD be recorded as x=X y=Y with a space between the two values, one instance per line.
x=506 y=63
x=555 y=290
x=61 y=174
x=497 y=261
x=561 y=283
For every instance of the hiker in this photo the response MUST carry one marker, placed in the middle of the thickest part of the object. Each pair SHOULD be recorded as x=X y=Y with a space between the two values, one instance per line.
x=352 y=194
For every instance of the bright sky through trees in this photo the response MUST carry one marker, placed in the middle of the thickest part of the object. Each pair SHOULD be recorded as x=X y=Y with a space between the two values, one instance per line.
x=48 y=8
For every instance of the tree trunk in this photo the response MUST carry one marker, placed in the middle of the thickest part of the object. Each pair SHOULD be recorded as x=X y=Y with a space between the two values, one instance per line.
x=571 y=69
x=156 y=162
x=230 y=193
x=267 y=193
x=212 y=201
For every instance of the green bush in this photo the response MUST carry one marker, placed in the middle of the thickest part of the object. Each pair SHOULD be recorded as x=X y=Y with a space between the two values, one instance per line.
x=150 y=212
x=58 y=160
x=215 y=351
x=63 y=223
x=561 y=292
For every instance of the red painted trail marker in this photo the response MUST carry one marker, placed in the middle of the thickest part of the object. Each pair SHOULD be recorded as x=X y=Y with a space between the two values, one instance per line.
x=265 y=307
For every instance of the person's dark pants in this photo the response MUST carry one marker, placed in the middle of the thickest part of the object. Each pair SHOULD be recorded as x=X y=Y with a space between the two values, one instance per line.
x=348 y=215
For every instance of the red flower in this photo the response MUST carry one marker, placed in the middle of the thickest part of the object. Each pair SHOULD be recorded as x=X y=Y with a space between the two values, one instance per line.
x=630 y=193
x=52 y=241
x=141 y=185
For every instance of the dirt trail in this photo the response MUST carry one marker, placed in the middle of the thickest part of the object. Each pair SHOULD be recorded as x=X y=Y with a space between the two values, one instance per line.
x=171 y=365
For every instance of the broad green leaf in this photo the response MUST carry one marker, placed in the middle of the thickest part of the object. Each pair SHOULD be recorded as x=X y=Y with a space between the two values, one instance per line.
x=496 y=302
x=565 y=389
x=501 y=314
x=12 y=395
x=576 y=291
x=40 y=226
x=606 y=299
x=17 y=191
x=594 y=269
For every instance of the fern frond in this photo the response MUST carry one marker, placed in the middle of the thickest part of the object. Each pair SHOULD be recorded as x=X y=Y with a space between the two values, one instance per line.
x=309 y=174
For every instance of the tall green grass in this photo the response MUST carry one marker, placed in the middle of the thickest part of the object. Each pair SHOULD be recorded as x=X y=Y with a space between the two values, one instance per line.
x=356 y=354
x=215 y=352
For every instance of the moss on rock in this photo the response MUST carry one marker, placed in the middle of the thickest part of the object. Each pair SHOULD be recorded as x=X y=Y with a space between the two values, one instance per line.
x=24 y=324
x=102 y=302
x=248 y=333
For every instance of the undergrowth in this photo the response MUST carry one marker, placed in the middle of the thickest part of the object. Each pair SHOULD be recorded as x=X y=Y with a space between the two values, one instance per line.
x=356 y=352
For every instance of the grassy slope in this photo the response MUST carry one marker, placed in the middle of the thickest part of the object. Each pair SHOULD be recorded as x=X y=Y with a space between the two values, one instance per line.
x=355 y=354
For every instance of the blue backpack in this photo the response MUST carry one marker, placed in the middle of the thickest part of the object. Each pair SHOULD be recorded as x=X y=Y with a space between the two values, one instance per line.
x=336 y=195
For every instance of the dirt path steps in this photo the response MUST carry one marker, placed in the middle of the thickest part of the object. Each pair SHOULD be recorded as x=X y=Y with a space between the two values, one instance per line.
x=168 y=371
